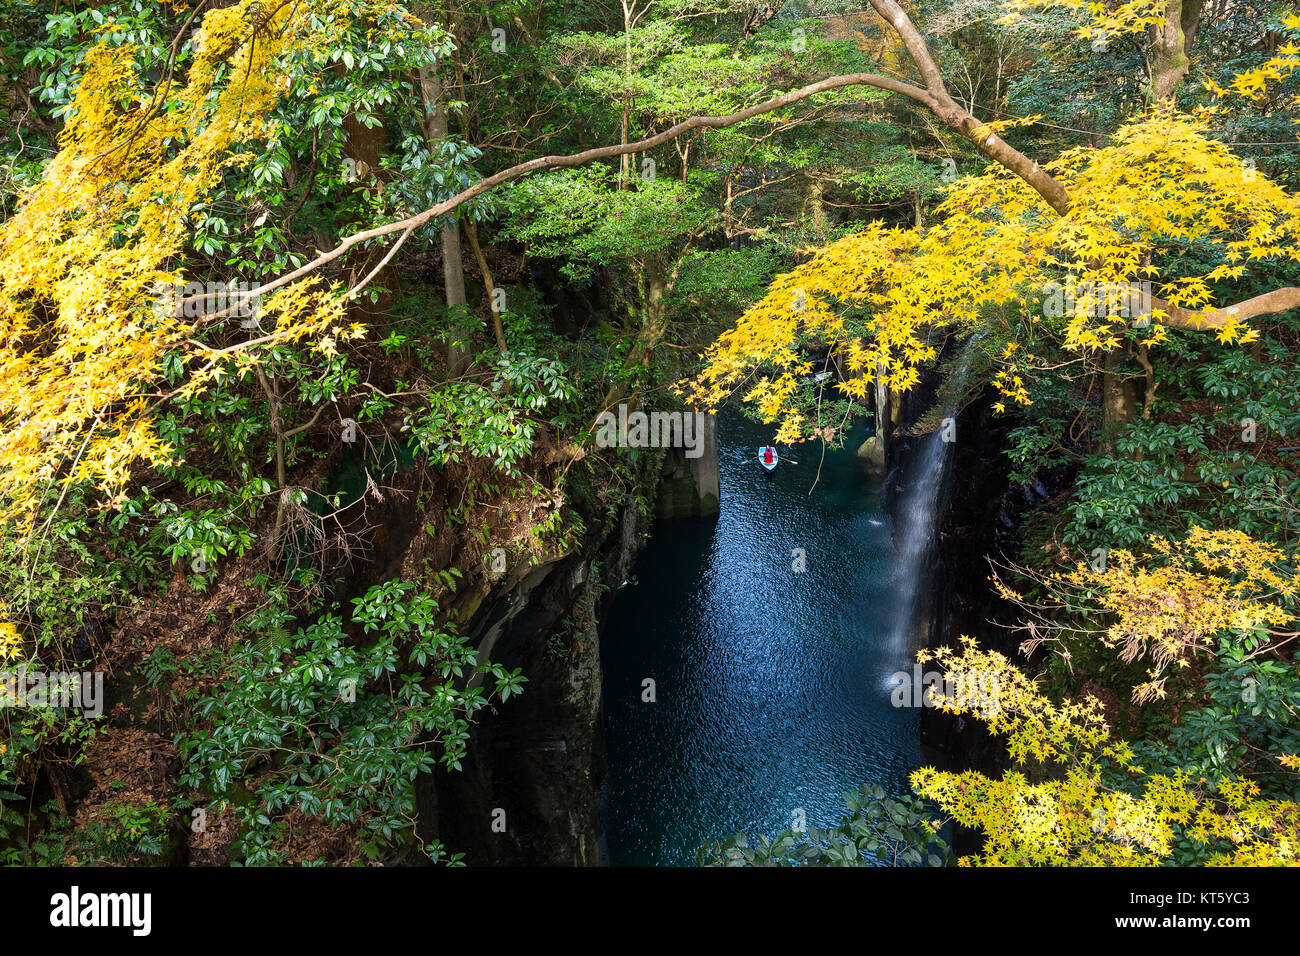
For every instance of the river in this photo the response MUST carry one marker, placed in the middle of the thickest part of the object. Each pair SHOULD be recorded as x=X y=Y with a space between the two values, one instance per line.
x=771 y=684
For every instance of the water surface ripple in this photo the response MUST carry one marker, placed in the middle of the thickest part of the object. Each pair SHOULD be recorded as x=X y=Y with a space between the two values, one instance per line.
x=772 y=685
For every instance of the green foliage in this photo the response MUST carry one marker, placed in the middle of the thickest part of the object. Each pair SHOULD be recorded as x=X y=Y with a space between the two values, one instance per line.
x=878 y=831
x=132 y=834
x=723 y=282
x=582 y=217
x=56 y=580
x=285 y=725
x=495 y=421
x=1195 y=461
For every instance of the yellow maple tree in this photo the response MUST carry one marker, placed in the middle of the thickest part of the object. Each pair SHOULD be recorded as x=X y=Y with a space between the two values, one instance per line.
x=1166 y=606
x=1077 y=797
x=85 y=321
x=998 y=247
x=1097 y=219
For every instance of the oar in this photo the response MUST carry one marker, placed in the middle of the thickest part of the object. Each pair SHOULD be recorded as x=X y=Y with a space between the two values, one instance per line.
x=789 y=461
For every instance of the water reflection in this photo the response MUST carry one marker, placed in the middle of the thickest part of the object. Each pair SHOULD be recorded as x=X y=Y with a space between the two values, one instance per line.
x=771 y=684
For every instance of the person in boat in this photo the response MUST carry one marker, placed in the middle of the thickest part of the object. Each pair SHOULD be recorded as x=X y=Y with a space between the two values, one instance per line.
x=768 y=457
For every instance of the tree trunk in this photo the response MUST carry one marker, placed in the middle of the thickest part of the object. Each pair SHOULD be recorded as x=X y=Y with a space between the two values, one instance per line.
x=1171 y=41
x=628 y=160
x=653 y=311
x=459 y=353
x=814 y=210
x=1116 y=398
x=882 y=408
x=489 y=286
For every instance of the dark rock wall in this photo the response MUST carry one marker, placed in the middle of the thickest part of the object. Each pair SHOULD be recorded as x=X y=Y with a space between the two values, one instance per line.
x=538 y=756
x=691 y=487
x=977 y=523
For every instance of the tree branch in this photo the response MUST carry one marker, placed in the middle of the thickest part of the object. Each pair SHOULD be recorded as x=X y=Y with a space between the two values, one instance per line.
x=961 y=120
x=1270 y=303
x=574 y=160
x=934 y=96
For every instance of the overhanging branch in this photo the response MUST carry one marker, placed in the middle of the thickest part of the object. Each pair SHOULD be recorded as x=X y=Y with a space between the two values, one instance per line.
x=1270 y=303
x=581 y=159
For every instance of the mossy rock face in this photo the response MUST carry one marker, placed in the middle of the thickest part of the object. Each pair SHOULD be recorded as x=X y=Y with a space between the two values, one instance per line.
x=681 y=497
x=872 y=451
x=691 y=487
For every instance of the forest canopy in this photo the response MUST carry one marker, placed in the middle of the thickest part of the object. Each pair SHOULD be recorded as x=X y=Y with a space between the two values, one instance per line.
x=274 y=275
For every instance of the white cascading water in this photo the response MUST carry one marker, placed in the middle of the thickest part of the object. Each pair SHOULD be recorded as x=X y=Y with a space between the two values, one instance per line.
x=916 y=516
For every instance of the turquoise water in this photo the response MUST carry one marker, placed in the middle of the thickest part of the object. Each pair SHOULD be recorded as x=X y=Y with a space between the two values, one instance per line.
x=772 y=686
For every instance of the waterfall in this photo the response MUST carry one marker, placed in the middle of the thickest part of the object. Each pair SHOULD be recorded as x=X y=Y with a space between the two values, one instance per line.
x=917 y=515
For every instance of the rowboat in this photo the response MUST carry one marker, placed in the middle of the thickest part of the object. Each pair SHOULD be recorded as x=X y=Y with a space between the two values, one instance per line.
x=767 y=457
